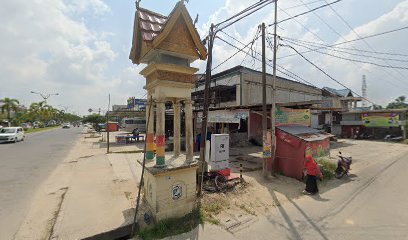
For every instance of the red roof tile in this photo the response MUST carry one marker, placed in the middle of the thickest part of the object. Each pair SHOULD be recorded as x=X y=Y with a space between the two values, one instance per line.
x=150 y=23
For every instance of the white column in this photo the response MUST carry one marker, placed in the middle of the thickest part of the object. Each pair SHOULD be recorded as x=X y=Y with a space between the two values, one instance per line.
x=176 y=127
x=160 y=133
x=149 y=120
x=188 y=108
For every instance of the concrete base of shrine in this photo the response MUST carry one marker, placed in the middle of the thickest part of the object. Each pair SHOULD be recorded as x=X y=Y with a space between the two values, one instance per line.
x=170 y=191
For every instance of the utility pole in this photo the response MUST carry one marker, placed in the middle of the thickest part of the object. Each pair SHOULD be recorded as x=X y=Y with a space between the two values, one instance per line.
x=273 y=110
x=211 y=37
x=107 y=125
x=266 y=145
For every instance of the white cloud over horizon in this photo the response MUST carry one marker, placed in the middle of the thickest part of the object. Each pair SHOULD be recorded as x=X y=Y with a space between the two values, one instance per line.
x=63 y=46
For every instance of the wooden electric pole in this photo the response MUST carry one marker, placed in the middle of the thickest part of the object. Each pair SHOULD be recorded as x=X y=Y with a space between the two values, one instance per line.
x=206 y=105
x=266 y=147
x=273 y=110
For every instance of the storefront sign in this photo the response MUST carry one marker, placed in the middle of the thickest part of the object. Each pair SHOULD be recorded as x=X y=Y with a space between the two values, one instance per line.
x=224 y=116
x=380 y=119
x=286 y=116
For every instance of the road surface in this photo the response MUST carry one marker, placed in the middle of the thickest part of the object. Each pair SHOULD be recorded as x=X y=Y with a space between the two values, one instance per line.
x=23 y=167
x=370 y=205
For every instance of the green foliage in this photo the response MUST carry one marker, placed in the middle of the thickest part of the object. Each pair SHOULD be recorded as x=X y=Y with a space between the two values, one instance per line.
x=377 y=107
x=39 y=112
x=399 y=103
x=9 y=104
x=94 y=119
x=172 y=226
x=327 y=167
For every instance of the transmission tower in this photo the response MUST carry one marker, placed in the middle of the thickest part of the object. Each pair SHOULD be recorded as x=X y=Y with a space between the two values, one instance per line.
x=364 y=91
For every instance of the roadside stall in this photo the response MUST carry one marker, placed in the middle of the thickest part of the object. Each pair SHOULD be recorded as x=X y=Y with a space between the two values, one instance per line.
x=294 y=143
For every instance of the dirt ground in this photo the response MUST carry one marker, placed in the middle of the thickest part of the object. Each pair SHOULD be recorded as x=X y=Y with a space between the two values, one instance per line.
x=258 y=196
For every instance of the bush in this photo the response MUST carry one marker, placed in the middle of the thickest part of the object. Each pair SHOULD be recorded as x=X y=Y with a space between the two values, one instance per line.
x=327 y=167
x=173 y=226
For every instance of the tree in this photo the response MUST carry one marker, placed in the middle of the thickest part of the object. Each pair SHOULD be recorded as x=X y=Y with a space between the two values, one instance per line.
x=377 y=107
x=94 y=119
x=9 y=104
x=398 y=103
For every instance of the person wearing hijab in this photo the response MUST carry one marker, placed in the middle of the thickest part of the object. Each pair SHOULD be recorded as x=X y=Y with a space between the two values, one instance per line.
x=311 y=178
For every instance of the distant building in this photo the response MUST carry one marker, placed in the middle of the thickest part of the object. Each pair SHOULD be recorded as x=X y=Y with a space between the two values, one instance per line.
x=236 y=102
x=242 y=86
x=119 y=107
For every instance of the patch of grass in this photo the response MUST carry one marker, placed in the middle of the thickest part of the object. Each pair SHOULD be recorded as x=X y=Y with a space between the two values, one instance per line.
x=327 y=167
x=405 y=141
x=32 y=130
x=247 y=210
x=208 y=217
x=173 y=226
x=211 y=207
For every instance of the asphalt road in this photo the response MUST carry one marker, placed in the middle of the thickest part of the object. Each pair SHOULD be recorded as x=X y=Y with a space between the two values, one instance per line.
x=370 y=205
x=23 y=167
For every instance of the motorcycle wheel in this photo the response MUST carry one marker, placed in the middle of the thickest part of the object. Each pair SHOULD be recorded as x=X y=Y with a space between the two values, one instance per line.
x=338 y=173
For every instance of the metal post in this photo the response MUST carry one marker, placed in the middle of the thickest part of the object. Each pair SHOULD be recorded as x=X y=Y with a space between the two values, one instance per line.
x=266 y=145
x=206 y=104
x=240 y=172
x=274 y=88
x=107 y=126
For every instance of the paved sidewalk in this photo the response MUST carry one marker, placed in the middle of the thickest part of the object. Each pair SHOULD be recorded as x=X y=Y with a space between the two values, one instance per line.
x=100 y=197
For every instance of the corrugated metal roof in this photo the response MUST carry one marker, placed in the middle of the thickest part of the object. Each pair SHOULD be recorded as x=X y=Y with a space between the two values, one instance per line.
x=150 y=23
x=340 y=93
x=305 y=133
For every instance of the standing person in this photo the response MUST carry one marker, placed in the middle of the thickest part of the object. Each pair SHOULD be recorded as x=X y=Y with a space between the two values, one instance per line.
x=311 y=178
x=136 y=133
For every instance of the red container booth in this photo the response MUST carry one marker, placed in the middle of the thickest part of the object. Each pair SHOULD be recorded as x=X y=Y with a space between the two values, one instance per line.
x=294 y=143
x=113 y=127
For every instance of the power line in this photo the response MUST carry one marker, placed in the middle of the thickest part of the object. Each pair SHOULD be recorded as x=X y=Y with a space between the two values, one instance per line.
x=301 y=14
x=344 y=48
x=301 y=5
x=350 y=59
x=390 y=82
x=261 y=60
x=255 y=8
x=301 y=24
x=356 y=39
x=321 y=70
x=352 y=29
x=336 y=32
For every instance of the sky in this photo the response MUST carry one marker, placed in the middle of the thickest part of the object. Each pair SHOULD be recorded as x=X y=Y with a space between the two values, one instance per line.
x=80 y=49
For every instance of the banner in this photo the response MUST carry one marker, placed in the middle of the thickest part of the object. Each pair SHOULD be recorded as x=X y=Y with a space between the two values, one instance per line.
x=380 y=119
x=224 y=116
x=318 y=149
x=286 y=116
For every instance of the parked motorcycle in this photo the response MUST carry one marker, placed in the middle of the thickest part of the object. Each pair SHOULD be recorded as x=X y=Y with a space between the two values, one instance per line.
x=343 y=166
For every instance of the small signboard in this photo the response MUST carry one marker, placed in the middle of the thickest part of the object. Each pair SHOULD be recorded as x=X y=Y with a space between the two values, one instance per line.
x=286 y=116
x=177 y=191
x=380 y=119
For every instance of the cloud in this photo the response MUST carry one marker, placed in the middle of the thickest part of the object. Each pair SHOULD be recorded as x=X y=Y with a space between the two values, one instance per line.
x=346 y=72
x=45 y=48
x=97 y=6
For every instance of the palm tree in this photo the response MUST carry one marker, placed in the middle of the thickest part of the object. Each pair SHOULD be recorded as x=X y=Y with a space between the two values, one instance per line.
x=9 y=104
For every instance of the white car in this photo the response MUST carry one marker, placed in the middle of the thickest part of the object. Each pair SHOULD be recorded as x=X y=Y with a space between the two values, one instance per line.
x=11 y=134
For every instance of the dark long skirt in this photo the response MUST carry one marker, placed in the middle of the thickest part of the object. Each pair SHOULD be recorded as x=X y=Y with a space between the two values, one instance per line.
x=311 y=184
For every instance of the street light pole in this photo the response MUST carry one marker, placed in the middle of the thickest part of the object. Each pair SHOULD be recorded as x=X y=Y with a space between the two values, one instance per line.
x=45 y=96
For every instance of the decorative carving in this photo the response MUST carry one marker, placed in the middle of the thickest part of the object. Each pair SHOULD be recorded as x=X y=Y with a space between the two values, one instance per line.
x=170 y=76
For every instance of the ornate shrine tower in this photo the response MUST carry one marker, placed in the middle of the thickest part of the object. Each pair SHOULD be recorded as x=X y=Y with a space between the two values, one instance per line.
x=168 y=45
